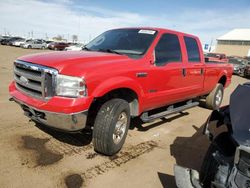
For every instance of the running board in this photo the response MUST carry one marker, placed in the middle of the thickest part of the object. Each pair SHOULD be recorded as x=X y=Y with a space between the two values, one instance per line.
x=170 y=110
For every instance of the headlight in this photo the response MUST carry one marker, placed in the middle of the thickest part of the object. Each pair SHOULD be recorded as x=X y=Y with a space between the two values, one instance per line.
x=69 y=86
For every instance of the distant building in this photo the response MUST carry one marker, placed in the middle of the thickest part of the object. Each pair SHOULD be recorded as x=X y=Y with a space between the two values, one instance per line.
x=235 y=42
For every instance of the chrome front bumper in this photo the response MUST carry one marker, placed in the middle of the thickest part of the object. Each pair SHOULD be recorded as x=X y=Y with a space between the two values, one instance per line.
x=66 y=122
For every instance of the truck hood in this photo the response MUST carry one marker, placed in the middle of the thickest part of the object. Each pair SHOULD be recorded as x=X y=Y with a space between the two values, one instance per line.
x=66 y=61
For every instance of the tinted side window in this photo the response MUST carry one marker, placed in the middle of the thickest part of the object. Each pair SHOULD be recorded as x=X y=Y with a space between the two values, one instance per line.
x=192 y=49
x=168 y=50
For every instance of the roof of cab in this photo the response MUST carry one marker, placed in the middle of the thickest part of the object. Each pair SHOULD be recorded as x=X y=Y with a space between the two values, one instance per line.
x=160 y=30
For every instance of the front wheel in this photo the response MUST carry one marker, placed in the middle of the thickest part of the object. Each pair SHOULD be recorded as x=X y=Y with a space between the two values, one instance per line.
x=214 y=99
x=111 y=126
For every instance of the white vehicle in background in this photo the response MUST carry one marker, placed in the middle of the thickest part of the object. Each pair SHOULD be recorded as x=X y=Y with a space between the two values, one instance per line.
x=20 y=42
x=77 y=47
x=38 y=44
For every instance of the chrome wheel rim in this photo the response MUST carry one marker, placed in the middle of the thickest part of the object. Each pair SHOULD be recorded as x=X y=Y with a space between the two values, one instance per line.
x=218 y=98
x=120 y=127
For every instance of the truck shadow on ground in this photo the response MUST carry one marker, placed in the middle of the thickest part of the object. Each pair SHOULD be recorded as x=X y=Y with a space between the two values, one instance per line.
x=80 y=139
x=188 y=152
x=84 y=137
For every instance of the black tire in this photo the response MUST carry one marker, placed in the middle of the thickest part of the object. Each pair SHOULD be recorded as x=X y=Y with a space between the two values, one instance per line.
x=105 y=124
x=29 y=47
x=43 y=47
x=223 y=144
x=212 y=100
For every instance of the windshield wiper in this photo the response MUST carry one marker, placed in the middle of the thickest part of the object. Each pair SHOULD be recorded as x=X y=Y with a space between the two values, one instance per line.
x=109 y=51
x=85 y=48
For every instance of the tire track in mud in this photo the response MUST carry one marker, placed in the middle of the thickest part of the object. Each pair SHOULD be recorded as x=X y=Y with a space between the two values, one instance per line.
x=119 y=159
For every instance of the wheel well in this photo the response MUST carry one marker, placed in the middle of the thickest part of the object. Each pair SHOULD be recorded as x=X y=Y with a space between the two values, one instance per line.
x=223 y=80
x=122 y=93
x=127 y=94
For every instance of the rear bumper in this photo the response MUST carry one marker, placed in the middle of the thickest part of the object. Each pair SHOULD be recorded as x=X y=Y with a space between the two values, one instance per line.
x=67 y=122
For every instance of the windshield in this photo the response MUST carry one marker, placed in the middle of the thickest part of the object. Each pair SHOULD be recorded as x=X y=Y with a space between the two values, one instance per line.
x=123 y=41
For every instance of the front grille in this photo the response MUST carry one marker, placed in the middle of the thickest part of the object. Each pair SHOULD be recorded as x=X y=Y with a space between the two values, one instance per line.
x=34 y=80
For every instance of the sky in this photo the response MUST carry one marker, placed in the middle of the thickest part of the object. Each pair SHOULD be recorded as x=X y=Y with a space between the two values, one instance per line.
x=89 y=18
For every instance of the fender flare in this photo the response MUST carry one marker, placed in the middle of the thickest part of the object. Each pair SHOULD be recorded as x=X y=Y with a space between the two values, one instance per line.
x=223 y=73
x=118 y=83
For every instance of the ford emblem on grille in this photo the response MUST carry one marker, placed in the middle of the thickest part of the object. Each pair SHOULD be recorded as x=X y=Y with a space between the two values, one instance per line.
x=24 y=80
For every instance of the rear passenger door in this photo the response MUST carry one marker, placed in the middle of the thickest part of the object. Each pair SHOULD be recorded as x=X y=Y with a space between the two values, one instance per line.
x=195 y=66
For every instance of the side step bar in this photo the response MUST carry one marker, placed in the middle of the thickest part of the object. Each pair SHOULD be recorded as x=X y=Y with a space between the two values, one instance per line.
x=170 y=110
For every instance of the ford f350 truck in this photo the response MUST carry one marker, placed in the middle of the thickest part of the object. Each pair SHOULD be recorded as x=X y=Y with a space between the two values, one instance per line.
x=122 y=73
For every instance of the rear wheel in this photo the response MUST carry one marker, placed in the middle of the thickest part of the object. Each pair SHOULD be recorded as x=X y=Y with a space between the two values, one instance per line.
x=29 y=47
x=111 y=126
x=214 y=99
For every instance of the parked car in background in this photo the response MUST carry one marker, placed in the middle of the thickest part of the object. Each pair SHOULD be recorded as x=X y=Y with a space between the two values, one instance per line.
x=19 y=42
x=9 y=41
x=5 y=41
x=77 y=47
x=26 y=41
x=238 y=65
x=57 y=45
x=247 y=70
x=48 y=42
x=122 y=73
x=38 y=44
x=13 y=39
x=227 y=161
x=216 y=57
x=4 y=38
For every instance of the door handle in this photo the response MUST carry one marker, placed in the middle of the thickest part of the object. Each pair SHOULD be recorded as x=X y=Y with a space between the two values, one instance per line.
x=184 y=72
x=202 y=71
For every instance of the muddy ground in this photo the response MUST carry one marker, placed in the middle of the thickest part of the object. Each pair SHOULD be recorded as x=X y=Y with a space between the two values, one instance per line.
x=32 y=156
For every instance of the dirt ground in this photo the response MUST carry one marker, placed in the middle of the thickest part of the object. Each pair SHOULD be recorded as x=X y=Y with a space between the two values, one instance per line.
x=32 y=156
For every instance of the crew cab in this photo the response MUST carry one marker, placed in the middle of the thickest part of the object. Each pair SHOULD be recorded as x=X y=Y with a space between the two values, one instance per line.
x=122 y=73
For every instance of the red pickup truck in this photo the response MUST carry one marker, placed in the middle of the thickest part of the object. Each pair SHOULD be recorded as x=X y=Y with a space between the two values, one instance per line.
x=122 y=73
